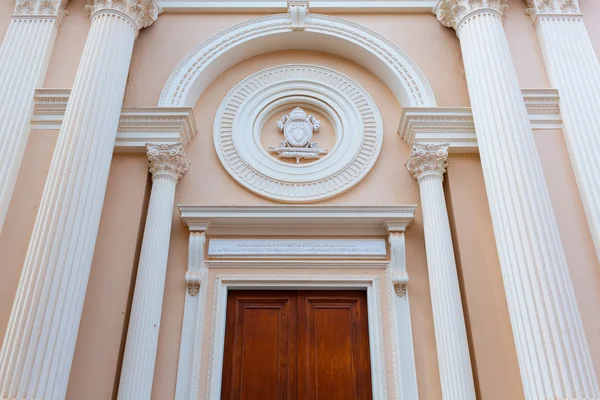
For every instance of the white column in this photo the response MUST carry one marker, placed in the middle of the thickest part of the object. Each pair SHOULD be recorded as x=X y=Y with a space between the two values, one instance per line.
x=427 y=164
x=553 y=354
x=168 y=163
x=574 y=70
x=38 y=347
x=24 y=58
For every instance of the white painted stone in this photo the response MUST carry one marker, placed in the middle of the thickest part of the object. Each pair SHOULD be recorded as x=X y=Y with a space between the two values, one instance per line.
x=573 y=69
x=167 y=164
x=554 y=357
x=37 y=351
x=24 y=58
x=297 y=247
x=428 y=165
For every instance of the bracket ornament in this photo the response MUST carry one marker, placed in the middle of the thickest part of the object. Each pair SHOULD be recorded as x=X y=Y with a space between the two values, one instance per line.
x=142 y=12
x=552 y=7
x=451 y=13
x=167 y=160
x=298 y=9
x=193 y=279
x=400 y=283
x=43 y=8
x=427 y=159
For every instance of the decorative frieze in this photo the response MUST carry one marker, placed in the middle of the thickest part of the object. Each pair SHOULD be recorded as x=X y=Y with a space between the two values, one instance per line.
x=427 y=159
x=142 y=12
x=41 y=8
x=451 y=13
x=167 y=160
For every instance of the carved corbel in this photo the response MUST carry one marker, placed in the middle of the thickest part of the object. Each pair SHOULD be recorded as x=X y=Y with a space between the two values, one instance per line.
x=193 y=279
x=400 y=283
x=298 y=9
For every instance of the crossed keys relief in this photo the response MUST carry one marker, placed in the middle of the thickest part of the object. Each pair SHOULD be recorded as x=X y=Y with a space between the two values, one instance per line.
x=298 y=129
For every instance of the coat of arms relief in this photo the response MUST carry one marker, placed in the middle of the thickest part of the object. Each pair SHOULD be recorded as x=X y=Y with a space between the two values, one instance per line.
x=298 y=129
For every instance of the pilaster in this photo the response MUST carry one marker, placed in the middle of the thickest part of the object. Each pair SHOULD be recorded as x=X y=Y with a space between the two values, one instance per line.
x=427 y=164
x=168 y=163
x=554 y=358
x=38 y=347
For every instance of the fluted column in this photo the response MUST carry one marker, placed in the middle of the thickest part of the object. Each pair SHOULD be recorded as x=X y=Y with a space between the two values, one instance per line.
x=167 y=164
x=574 y=70
x=24 y=58
x=552 y=350
x=427 y=164
x=38 y=347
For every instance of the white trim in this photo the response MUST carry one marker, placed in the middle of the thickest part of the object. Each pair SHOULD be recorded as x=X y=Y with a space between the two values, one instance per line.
x=297 y=220
x=224 y=283
x=387 y=6
x=246 y=108
x=320 y=32
x=137 y=126
x=455 y=126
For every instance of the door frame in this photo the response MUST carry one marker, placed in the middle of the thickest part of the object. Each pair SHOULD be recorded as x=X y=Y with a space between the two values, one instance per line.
x=225 y=283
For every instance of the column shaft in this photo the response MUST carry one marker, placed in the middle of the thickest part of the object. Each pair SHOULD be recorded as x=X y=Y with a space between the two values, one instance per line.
x=24 y=58
x=144 y=325
x=574 y=70
x=553 y=354
x=38 y=348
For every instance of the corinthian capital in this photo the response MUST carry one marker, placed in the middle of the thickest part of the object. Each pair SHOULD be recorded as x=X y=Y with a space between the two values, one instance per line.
x=427 y=159
x=142 y=12
x=167 y=160
x=452 y=12
x=552 y=7
x=44 y=8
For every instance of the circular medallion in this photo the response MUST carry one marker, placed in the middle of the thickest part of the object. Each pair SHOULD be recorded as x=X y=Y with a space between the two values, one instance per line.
x=298 y=90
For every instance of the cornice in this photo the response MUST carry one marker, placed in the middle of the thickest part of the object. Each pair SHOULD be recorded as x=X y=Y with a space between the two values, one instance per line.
x=142 y=13
x=552 y=9
x=427 y=160
x=297 y=220
x=455 y=126
x=451 y=13
x=137 y=126
x=41 y=8
x=168 y=160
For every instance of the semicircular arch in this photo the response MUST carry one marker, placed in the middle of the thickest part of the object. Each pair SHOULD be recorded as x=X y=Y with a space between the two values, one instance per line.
x=274 y=33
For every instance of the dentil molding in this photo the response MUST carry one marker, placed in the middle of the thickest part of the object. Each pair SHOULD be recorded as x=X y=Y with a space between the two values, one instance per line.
x=167 y=160
x=41 y=8
x=244 y=111
x=455 y=126
x=137 y=126
x=427 y=159
x=142 y=13
x=452 y=13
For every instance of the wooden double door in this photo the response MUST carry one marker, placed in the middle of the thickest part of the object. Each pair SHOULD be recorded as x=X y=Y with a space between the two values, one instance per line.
x=296 y=345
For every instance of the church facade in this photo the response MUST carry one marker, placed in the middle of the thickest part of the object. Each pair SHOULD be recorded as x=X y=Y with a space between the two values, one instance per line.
x=300 y=199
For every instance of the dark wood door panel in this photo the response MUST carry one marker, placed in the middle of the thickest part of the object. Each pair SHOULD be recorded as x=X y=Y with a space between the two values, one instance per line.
x=333 y=353
x=260 y=346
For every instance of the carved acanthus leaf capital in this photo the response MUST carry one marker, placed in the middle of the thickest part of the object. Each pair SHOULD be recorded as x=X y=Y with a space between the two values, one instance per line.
x=552 y=7
x=452 y=12
x=44 y=8
x=142 y=12
x=427 y=159
x=166 y=159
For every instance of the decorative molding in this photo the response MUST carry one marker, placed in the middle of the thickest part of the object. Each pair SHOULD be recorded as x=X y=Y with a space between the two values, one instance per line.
x=137 y=126
x=278 y=6
x=167 y=160
x=295 y=264
x=452 y=13
x=297 y=220
x=247 y=107
x=455 y=126
x=41 y=8
x=142 y=13
x=298 y=10
x=334 y=35
x=427 y=160
x=553 y=9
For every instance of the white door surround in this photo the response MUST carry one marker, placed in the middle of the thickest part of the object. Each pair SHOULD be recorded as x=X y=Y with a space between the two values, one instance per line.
x=208 y=282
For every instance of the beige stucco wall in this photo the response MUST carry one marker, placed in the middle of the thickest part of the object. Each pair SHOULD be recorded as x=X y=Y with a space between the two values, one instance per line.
x=436 y=50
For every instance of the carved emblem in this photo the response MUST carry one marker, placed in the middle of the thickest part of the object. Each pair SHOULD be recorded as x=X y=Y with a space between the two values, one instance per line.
x=298 y=129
